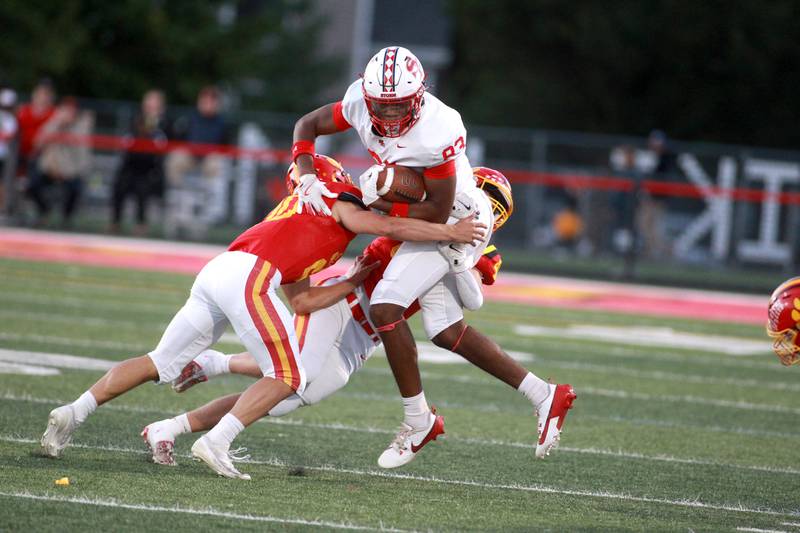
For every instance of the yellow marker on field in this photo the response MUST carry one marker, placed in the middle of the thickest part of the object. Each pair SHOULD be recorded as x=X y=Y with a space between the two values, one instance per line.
x=63 y=481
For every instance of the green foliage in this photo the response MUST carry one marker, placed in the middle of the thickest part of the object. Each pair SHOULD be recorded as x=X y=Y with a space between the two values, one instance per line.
x=721 y=71
x=100 y=49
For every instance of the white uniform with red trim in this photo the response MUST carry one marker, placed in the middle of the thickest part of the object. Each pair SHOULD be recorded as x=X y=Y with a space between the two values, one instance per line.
x=435 y=145
x=335 y=345
x=437 y=137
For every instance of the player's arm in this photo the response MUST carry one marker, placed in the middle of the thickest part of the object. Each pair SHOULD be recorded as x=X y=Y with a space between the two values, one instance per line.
x=468 y=282
x=358 y=220
x=305 y=299
x=325 y=120
x=439 y=197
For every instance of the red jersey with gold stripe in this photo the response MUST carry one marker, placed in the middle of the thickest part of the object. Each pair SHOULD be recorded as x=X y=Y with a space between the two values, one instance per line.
x=299 y=245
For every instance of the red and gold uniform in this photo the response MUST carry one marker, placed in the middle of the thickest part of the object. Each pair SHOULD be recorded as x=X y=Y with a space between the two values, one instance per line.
x=299 y=245
x=238 y=287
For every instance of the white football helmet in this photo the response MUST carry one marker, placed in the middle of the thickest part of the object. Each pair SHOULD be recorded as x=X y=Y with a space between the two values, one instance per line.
x=393 y=85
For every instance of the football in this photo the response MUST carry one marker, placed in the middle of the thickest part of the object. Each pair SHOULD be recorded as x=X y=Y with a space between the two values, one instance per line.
x=401 y=184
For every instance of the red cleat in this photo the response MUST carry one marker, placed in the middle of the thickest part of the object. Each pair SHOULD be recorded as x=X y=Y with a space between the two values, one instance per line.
x=191 y=375
x=552 y=413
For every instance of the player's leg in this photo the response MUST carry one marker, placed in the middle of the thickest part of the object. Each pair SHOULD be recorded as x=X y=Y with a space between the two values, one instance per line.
x=414 y=269
x=333 y=375
x=321 y=327
x=265 y=327
x=412 y=272
x=193 y=329
x=444 y=324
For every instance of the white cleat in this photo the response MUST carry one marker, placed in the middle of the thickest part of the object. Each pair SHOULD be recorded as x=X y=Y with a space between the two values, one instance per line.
x=60 y=426
x=218 y=458
x=409 y=441
x=551 y=414
x=160 y=440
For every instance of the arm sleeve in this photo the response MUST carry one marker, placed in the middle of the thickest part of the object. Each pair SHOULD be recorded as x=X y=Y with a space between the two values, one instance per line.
x=469 y=290
x=338 y=117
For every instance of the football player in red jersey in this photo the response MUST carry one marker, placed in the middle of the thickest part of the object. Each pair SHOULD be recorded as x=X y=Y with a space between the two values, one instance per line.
x=783 y=321
x=239 y=287
x=340 y=338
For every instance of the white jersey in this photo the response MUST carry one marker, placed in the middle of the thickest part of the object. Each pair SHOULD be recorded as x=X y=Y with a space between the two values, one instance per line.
x=438 y=136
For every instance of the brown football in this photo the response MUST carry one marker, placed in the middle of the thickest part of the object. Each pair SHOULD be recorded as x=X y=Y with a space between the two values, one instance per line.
x=404 y=184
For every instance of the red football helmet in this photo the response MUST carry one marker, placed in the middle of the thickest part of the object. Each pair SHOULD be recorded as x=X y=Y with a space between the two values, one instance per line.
x=498 y=189
x=327 y=168
x=784 y=321
x=393 y=85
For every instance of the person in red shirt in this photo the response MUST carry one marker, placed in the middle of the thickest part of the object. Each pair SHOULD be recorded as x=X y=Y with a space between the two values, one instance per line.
x=31 y=117
x=239 y=287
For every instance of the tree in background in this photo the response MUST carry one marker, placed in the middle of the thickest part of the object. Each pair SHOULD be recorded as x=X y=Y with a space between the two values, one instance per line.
x=724 y=71
x=263 y=50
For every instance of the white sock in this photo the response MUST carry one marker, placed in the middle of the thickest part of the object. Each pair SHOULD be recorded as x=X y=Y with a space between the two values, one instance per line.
x=214 y=362
x=84 y=406
x=417 y=412
x=225 y=430
x=182 y=424
x=534 y=389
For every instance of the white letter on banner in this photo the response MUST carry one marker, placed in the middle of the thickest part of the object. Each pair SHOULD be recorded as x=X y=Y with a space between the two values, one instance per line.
x=717 y=216
x=774 y=174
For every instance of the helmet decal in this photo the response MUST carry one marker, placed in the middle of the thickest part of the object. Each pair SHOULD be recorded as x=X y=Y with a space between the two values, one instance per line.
x=389 y=68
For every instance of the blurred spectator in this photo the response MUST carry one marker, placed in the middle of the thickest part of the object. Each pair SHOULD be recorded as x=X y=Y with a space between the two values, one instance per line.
x=62 y=160
x=652 y=205
x=31 y=117
x=205 y=125
x=567 y=223
x=8 y=131
x=622 y=202
x=141 y=174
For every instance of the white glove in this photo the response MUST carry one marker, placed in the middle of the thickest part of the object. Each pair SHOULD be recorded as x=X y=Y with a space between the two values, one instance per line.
x=463 y=206
x=368 y=183
x=310 y=191
x=456 y=255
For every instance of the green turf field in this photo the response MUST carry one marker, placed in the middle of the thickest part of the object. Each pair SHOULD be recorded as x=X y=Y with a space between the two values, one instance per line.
x=660 y=439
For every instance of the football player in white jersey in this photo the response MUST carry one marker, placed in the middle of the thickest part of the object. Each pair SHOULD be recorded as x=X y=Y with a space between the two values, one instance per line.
x=337 y=340
x=400 y=123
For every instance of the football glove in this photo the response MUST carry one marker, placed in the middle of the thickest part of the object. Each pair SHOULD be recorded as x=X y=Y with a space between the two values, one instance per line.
x=368 y=183
x=463 y=206
x=311 y=191
x=456 y=255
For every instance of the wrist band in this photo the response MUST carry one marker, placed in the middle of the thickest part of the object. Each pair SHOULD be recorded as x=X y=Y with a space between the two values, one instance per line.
x=399 y=209
x=302 y=147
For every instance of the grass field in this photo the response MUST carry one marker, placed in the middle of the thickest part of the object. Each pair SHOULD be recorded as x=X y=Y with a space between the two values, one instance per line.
x=660 y=439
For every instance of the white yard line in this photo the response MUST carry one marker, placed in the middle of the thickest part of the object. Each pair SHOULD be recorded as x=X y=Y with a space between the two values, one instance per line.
x=24 y=297
x=27 y=370
x=759 y=530
x=337 y=426
x=469 y=483
x=746 y=406
x=208 y=511
x=55 y=359
x=650 y=337
x=83 y=320
x=69 y=341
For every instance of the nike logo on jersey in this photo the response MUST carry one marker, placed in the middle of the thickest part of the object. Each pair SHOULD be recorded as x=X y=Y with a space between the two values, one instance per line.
x=400 y=146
